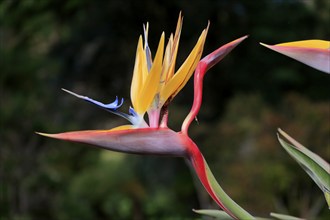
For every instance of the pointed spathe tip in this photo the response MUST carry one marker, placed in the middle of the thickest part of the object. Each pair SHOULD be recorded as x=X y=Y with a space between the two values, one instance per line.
x=43 y=134
x=56 y=136
x=217 y=55
x=239 y=40
x=234 y=43
x=275 y=48
x=244 y=37
x=265 y=45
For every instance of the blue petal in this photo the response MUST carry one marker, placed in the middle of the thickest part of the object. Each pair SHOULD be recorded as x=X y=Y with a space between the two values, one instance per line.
x=132 y=117
x=113 y=106
x=133 y=112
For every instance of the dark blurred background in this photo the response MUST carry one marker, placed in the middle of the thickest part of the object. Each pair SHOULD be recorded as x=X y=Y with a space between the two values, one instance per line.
x=89 y=47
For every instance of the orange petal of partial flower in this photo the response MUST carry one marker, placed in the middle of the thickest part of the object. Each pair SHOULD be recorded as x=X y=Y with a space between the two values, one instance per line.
x=314 y=53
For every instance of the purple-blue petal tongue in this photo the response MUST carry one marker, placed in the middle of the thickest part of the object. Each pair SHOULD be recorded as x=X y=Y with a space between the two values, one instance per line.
x=133 y=112
x=111 y=106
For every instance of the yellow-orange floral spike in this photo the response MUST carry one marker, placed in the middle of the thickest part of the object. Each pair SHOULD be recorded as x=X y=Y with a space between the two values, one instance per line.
x=174 y=48
x=319 y=44
x=180 y=78
x=150 y=86
x=137 y=80
x=154 y=82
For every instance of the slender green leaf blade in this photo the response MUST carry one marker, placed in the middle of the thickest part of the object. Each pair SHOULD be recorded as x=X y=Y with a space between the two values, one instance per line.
x=284 y=217
x=219 y=214
x=327 y=198
x=214 y=213
x=317 y=168
x=319 y=160
x=230 y=204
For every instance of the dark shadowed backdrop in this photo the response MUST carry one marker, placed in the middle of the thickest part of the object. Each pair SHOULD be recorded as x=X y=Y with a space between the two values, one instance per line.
x=89 y=47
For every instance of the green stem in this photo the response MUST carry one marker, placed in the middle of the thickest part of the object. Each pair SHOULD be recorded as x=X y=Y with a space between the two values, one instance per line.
x=230 y=204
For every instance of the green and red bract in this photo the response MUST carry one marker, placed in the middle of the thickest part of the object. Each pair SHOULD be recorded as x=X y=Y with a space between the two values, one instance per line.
x=159 y=80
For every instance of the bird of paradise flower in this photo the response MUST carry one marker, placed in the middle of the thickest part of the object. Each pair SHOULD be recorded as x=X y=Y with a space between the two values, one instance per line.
x=314 y=53
x=154 y=85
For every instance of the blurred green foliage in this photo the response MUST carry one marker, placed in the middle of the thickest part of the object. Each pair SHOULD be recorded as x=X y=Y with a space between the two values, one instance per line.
x=89 y=47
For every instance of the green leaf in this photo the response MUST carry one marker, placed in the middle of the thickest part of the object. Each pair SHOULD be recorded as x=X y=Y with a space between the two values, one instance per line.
x=218 y=214
x=317 y=168
x=284 y=217
x=230 y=204
x=327 y=198
x=214 y=213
